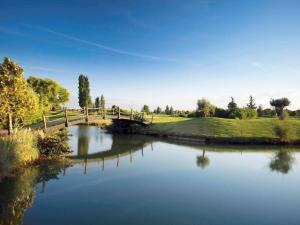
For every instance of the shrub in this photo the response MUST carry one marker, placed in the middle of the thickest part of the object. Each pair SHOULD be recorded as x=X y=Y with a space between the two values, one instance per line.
x=248 y=113
x=284 y=115
x=54 y=145
x=285 y=133
x=17 y=150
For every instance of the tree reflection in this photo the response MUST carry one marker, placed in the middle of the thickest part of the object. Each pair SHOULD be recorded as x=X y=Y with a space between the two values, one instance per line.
x=17 y=192
x=282 y=162
x=202 y=161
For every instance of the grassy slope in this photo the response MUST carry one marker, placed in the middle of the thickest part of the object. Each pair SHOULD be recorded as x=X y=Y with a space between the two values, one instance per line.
x=218 y=127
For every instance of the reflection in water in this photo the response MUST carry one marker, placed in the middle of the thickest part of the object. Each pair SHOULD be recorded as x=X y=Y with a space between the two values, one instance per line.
x=202 y=161
x=282 y=162
x=153 y=184
x=17 y=192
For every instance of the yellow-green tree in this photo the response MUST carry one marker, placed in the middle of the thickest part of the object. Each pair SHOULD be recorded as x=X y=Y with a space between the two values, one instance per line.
x=16 y=96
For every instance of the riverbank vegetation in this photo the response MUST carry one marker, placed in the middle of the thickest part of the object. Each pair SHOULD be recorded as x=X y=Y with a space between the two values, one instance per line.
x=265 y=130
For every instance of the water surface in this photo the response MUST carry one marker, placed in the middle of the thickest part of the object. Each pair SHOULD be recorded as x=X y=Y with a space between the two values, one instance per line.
x=134 y=180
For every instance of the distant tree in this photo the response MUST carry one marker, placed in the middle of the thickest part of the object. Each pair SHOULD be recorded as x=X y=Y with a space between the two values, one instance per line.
x=233 y=110
x=260 y=111
x=251 y=103
x=102 y=103
x=114 y=108
x=51 y=94
x=171 y=112
x=97 y=102
x=158 y=110
x=205 y=108
x=84 y=98
x=232 y=104
x=146 y=109
x=167 y=110
x=16 y=95
x=279 y=105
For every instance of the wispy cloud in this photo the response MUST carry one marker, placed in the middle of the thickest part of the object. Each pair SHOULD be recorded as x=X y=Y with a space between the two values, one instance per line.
x=101 y=46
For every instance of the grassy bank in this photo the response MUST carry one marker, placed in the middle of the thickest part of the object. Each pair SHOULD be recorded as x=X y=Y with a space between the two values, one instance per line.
x=26 y=147
x=17 y=150
x=262 y=130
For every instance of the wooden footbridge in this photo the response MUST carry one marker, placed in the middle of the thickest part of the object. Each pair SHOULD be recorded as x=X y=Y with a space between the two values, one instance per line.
x=69 y=117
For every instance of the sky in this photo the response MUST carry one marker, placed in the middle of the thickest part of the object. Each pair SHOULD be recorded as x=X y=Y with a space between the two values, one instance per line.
x=159 y=52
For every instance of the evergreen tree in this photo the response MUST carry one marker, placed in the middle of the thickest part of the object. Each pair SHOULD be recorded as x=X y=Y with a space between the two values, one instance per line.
x=84 y=98
x=167 y=110
x=232 y=105
x=146 y=109
x=102 y=103
x=158 y=110
x=251 y=104
x=97 y=102
x=171 y=112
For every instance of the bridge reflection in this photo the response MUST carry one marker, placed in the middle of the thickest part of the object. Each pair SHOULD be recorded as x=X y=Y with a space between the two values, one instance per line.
x=122 y=146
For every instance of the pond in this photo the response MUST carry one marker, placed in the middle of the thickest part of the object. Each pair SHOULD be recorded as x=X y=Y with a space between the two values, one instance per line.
x=134 y=180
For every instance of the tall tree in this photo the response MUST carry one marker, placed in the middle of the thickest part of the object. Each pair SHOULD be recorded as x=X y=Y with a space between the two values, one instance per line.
x=279 y=105
x=251 y=104
x=51 y=94
x=102 y=103
x=167 y=110
x=171 y=112
x=232 y=105
x=84 y=98
x=158 y=110
x=16 y=96
x=146 y=109
x=97 y=102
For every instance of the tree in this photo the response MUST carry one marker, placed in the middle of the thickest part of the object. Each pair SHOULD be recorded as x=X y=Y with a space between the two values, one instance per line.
x=260 y=111
x=157 y=110
x=232 y=105
x=167 y=110
x=97 y=102
x=16 y=96
x=84 y=98
x=171 y=112
x=279 y=105
x=102 y=103
x=251 y=104
x=205 y=108
x=51 y=94
x=146 y=109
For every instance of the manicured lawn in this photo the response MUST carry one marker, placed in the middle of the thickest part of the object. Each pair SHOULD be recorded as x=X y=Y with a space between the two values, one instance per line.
x=219 y=127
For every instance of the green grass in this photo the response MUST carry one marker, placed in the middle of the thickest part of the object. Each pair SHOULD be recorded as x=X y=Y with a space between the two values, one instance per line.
x=219 y=127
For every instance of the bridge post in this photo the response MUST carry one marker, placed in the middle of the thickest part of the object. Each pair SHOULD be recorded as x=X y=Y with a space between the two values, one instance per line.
x=66 y=118
x=9 y=125
x=152 y=119
x=119 y=113
x=45 y=122
x=131 y=115
x=86 y=114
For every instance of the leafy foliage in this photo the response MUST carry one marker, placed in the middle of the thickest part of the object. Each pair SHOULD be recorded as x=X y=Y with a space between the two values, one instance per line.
x=205 y=108
x=51 y=94
x=16 y=96
x=279 y=105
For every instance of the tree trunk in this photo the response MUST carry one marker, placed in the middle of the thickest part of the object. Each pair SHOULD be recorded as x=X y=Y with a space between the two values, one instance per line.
x=10 y=124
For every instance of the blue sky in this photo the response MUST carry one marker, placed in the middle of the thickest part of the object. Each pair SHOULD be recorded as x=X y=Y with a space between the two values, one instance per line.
x=159 y=52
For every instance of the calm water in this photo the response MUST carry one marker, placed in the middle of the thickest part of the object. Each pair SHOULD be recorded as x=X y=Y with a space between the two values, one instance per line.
x=134 y=180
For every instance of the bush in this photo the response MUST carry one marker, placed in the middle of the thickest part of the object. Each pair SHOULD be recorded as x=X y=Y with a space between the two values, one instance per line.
x=18 y=150
x=285 y=133
x=284 y=115
x=247 y=113
x=54 y=145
